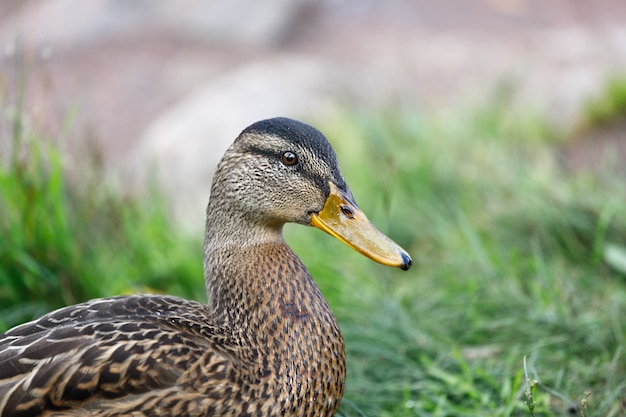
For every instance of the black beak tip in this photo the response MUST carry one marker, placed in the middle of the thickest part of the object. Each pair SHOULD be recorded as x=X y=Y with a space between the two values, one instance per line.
x=407 y=262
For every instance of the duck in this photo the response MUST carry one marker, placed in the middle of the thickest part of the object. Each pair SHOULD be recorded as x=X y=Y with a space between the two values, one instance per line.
x=265 y=344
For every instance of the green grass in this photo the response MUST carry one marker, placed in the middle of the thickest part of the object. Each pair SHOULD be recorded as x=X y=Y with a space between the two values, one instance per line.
x=609 y=105
x=65 y=241
x=510 y=261
x=518 y=266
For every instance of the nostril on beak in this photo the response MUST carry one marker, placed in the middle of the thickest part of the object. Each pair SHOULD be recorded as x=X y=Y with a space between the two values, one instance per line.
x=347 y=212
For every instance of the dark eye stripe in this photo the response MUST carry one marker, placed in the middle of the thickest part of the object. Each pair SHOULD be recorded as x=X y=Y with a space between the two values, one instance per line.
x=288 y=158
x=260 y=151
x=319 y=180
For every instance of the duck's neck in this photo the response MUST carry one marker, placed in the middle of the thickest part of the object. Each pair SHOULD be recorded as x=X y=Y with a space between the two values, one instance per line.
x=262 y=296
x=251 y=275
x=255 y=284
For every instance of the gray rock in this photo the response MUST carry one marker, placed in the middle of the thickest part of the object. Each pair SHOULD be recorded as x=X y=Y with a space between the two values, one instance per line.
x=185 y=143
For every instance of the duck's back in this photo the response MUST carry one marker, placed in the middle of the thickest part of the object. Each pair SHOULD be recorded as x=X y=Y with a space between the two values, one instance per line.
x=149 y=355
x=118 y=353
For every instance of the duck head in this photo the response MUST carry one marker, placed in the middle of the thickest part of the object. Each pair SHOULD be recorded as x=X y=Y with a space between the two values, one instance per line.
x=281 y=170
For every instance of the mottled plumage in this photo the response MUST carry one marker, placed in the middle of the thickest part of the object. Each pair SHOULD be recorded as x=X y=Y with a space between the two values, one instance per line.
x=266 y=344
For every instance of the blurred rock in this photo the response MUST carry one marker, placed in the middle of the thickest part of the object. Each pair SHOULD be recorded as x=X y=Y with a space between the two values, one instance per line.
x=185 y=143
x=157 y=82
x=63 y=24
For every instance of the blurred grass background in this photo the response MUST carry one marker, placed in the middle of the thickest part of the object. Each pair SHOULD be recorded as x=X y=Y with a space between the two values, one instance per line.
x=515 y=258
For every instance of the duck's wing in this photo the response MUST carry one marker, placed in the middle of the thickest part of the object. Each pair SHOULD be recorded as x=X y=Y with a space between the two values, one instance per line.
x=102 y=349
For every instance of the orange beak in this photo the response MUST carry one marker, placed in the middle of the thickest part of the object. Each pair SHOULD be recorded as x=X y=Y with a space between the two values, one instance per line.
x=343 y=219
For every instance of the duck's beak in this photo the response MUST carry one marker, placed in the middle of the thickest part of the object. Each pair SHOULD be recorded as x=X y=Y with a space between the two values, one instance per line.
x=343 y=219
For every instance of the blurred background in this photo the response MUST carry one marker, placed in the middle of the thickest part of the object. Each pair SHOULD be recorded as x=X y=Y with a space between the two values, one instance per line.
x=173 y=83
x=488 y=137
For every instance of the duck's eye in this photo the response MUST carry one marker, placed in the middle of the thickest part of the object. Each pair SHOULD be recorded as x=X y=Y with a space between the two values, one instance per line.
x=289 y=158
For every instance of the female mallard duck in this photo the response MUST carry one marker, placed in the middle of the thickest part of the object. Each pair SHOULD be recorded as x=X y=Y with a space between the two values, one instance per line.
x=267 y=344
